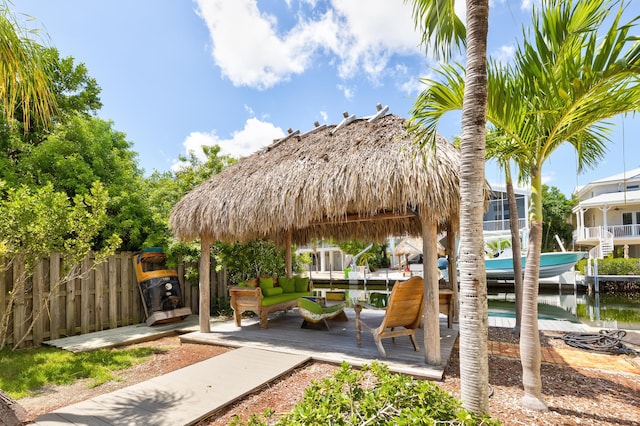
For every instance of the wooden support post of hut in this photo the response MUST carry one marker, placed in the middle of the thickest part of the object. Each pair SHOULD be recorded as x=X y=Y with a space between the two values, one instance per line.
x=431 y=325
x=288 y=255
x=452 y=256
x=205 y=284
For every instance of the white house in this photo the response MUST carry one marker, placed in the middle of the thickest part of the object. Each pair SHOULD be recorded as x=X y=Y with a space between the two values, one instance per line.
x=496 y=218
x=607 y=216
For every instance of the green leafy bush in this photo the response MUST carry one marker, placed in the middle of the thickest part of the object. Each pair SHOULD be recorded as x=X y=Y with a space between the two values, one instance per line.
x=375 y=396
x=613 y=266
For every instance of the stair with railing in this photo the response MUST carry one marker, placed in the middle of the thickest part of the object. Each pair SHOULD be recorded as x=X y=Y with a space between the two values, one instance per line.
x=606 y=244
x=602 y=250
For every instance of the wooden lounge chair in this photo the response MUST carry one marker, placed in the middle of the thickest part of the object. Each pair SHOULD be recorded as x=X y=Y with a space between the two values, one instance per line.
x=315 y=315
x=402 y=317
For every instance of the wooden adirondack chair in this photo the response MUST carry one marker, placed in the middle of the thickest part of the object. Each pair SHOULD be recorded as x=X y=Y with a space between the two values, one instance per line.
x=402 y=317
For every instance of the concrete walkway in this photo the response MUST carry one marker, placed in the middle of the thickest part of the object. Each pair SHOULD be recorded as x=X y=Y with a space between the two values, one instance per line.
x=182 y=397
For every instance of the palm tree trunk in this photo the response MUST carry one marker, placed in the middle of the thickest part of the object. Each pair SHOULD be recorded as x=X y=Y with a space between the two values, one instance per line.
x=474 y=367
x=530 y=356
x=515 y=247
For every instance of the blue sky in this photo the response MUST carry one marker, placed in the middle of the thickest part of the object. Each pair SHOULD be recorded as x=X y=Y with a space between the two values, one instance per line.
x=239 y=73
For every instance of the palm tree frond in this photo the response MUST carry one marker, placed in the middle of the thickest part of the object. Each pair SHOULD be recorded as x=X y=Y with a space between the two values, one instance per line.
x=439 y=25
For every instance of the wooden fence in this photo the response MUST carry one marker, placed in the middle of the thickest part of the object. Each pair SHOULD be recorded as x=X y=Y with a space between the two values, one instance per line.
x=102 y=296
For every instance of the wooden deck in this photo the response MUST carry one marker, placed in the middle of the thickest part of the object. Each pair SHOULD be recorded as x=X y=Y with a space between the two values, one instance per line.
x=336 y=345
x=124 y=335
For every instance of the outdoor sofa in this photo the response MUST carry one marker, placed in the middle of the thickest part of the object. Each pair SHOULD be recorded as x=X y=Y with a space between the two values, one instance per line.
x=265 y=295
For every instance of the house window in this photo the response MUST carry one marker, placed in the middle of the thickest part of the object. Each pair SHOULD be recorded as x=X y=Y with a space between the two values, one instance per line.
x=633 y=220
x=632 y=187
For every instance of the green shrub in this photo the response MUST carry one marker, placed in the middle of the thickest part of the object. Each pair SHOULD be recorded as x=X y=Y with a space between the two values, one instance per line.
x=220 y=306
x=613 y=266
x=375 y=396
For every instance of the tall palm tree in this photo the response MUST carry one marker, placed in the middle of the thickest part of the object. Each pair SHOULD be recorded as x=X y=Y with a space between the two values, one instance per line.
x=24 y=81
x=576 y=79
x=563 y=84
x=440 y=27
x=499 y=148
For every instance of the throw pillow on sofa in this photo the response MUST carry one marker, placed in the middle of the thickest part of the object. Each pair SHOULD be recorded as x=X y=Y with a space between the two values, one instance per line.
x=288 y=284
x=266 y=282
x=301 y=284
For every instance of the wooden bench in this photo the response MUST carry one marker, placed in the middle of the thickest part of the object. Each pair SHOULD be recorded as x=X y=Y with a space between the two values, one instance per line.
x=245 y=299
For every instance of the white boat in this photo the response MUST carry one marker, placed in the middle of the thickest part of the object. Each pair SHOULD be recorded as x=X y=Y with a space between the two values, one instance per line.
x=551 y=264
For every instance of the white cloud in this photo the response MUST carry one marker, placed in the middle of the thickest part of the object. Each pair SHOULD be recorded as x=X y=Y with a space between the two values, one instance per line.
x=324 y=116
x=504 y=54
x=255 y=135
x=358 y=35
x=247 y=45
x=347 y=91
x=371 y=31
x=548 y=177
x=460 y=7
x=526 y=4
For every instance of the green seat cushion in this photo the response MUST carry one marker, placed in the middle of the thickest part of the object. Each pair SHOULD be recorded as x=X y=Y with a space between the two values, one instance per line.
x=287 y=284
x=271 y=291
x=284 y=297
x=314 y=312
x=301 y=283
x=310 y=306
x=334 y=308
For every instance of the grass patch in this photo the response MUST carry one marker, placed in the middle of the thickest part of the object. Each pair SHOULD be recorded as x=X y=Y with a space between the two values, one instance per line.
x=25 y=371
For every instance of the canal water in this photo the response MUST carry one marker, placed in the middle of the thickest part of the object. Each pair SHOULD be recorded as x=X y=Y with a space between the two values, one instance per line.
x=575 y=305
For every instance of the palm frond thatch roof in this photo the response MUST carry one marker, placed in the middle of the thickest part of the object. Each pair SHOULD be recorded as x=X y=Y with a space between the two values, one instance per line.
x=363 y=180
x=410 y=246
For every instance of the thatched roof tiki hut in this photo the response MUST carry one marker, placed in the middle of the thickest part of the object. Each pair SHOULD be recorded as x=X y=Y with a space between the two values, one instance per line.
x=363 y=178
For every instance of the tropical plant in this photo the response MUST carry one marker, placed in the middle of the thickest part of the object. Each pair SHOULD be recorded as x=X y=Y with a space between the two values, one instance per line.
x=36 y=223
x=25 y=86
x=498 y=149
x=373 y=395
x=250 y=260
x=556 y=208
x=440 y=26
x=497 y=245
x=566 y=79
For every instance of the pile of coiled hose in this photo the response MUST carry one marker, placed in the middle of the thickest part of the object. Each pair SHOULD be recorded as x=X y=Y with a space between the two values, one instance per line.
x=609 y=341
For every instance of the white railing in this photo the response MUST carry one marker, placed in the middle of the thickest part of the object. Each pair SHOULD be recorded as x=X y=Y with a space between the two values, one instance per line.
x=501 y=225
x=605 y=246
x=598 y=232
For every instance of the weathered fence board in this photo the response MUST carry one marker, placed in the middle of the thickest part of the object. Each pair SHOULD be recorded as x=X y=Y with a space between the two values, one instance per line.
x=113 y=292
x=37 y=308
x=99 y=297
x=55 y=312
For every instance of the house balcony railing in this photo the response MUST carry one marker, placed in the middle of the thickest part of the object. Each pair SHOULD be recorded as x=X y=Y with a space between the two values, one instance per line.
x=502 y=225
x=597 y=232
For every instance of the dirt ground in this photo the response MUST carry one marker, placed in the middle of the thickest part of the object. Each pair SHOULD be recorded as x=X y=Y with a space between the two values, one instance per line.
x=575 y=396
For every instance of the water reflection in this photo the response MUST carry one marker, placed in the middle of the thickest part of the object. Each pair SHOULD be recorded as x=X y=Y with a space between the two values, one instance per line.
x=599 y=310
